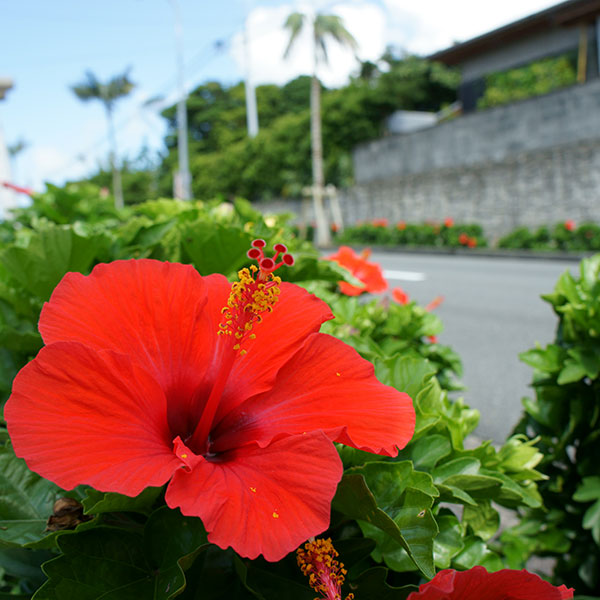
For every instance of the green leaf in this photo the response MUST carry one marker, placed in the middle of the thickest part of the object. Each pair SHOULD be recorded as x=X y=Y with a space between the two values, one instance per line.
x=101 y=502
x=372 y=584
x=458 y=466
x=448 y=542
x=216 y=248
x=405 y=374
x=26 y=501
x=591 y=520
x=428 y=450
x=548 y=360
x=588 y=490
x=117 y=564
x=475 y=552
x=51 y=253
x=105 y=563
x=483 y=519
x=355 y=500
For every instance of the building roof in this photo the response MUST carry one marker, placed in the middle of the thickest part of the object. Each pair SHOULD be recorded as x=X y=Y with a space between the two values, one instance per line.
x=565 y=14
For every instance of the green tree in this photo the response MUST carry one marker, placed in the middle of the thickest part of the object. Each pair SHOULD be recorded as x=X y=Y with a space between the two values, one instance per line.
x=322 y=27
x=107 y=93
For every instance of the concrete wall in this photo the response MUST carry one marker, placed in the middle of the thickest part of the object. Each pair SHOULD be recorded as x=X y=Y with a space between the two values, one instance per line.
x=529 y=163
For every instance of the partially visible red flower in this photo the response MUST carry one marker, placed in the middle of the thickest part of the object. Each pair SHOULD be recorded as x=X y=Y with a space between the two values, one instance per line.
x=448 y=222
x=401 y=225
x=472 y=242
x=369 y=273
x=463 y=239
x=136 y=388
x=434 y=303
x=400 y=296
x=335 y=227
x=570 y=225
x=478 y=584
x=433 y=339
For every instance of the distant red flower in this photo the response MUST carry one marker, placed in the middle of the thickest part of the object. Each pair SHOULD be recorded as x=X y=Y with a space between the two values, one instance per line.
x=463 y=239
x=434 y=303
x=135 y=388
x=380 y=222
x=400 y=296
x=478 y=584
x=335 y=227
x=369 y=273
x=448 y=222
x=401 y=225
x=570 y=225
x=433 y=339
x=472 y=242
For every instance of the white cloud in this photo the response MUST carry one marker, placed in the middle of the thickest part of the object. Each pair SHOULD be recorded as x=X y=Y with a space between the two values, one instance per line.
x=431 y=25
x=268 y=41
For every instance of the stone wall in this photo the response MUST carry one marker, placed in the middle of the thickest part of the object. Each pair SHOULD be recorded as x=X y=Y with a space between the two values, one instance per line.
x=530 y=163
x=535 y=162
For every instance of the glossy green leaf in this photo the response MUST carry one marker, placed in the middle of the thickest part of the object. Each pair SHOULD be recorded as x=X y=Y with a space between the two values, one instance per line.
x=101 y=502
x=483 y=519
x=118 y=564
x=355 y=500
x=449 y=541
x=428 y=450
x=588 y=490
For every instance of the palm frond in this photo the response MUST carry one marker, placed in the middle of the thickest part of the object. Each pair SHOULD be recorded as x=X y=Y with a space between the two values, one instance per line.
x=294 y=23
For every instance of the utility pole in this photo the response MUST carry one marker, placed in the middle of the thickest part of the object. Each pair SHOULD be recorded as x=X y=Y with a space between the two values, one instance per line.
x=251 y=109
x=183 y=179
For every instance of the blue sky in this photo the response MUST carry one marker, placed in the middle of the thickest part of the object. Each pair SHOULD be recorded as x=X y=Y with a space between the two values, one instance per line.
x=46 y=46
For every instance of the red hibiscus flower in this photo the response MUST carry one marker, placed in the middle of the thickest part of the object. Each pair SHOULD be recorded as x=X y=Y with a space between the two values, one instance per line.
x=400 y=296
x=401 y=225
x=569 y=225
x=448 y=222
x=478 y=584
x=369 y=273
x=463 y=239
x=135 y=388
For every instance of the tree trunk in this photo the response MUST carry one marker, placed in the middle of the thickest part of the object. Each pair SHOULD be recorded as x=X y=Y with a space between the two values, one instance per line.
x=323 y=237
x=116 y=173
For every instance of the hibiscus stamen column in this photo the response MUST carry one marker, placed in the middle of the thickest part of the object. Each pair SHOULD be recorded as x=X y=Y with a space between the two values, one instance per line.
x=253 y=295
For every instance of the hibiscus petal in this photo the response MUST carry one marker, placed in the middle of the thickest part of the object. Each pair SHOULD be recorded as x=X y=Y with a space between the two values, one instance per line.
x=325 y=385
x=78 y=416
x=295 y=316
x=262 y=500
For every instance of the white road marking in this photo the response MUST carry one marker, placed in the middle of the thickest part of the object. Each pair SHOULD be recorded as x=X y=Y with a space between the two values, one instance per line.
x=404 y=275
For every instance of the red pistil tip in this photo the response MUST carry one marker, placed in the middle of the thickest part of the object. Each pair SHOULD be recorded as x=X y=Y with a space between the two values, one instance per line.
x=269 y=264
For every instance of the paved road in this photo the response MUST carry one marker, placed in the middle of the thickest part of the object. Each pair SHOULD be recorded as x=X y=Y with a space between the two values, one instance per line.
x=492 y=311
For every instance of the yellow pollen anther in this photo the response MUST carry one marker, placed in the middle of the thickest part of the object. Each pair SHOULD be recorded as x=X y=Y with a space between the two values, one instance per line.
x=253 y=489
x=249 y=299
x=275 y=515
x=184 y=456
x=338 y=374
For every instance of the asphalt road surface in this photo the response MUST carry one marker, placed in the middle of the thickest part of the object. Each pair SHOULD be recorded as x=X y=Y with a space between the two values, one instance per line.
x=492 y=311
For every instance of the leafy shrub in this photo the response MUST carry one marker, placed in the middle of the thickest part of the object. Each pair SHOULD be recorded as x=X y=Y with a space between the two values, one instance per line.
x=394 y=520
x=565 y=417
x=427 y=234
x=562 y=237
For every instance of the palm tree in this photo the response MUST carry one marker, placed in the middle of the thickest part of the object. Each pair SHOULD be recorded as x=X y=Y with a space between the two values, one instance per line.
x=322 y=26
x=107 y=93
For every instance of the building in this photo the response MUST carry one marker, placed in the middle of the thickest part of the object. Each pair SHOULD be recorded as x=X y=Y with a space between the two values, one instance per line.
x=569 y=28
x=528 y=163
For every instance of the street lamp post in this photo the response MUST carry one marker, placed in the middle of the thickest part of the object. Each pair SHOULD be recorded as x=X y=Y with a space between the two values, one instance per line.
x=183 y=179
x=7 y=197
